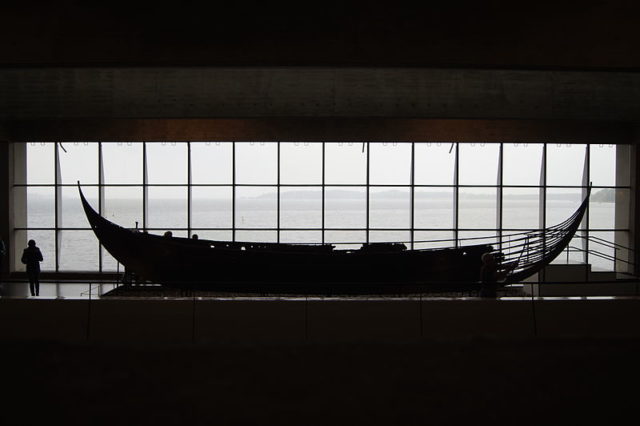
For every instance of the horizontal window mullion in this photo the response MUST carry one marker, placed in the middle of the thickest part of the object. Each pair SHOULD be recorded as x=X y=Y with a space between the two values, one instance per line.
x=316 y=229
x=319 y=184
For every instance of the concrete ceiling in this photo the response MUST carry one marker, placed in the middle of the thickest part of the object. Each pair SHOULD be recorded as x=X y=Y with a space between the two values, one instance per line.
x=583 y=35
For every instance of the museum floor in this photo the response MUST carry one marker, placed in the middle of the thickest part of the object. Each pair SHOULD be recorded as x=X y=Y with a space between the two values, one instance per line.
x=322 y=362
x=441 y=381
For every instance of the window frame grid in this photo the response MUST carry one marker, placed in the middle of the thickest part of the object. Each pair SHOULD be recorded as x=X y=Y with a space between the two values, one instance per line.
x=499 y=230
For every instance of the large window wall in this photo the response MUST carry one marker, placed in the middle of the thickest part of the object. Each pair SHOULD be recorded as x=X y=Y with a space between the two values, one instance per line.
x=324 y=192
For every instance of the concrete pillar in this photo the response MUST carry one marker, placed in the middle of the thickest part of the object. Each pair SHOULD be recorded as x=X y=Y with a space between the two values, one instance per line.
x=625 y=204
x=634 y=222
x=4 y=205
x=13 y=210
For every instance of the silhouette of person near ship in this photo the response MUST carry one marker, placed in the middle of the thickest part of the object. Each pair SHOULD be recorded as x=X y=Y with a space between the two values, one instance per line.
x=32 y=256
x=490 y=275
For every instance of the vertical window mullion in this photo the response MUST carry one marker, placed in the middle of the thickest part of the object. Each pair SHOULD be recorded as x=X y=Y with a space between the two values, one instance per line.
x=368 y=190
x=323 y=189
x=145 y=188
x=500 y=201
x=189 y=187
x=57 y=204
x=543 y=203
x=233 y=191
x=412 y=205
x=586 y=181
x=456 y=194
x=278 y=192
x=100 y=199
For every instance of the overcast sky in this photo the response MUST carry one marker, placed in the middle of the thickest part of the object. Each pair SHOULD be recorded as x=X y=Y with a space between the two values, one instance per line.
x=256 y=163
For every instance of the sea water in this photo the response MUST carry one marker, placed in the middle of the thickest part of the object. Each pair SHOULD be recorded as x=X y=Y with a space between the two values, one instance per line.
x=345 y=217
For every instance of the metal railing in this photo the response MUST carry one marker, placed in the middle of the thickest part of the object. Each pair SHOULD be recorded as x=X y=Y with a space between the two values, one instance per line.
x=621 y=253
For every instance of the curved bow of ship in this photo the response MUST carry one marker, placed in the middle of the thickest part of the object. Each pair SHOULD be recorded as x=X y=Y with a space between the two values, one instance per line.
x=527 y=253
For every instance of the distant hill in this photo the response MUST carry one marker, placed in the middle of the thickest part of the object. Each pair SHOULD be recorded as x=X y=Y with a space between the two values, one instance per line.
x=345 y=194
x=606 y=195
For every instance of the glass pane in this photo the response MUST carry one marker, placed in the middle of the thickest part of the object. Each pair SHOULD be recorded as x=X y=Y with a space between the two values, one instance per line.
x=167 y=207
x=45 y=240
x=78 y=251
x=300 y=162
x=79 y=162
x=175 y=233
x=522 y=163
x=211 y=207
x=609 y=208
x=390 y=163
x=477 y=208
x=435 y=163
x=575 y=252
x=346 y=163
x=167 y=162
x=122 y=162
x=602 y=168
x=433 y=239
x=472 y=238
x=257 y=162
x=123 y=205
x=109 y=264
x=72 y=212
x=41 y=210
x=301 y=207
x=521 y=209
x=256 y=207
x=433 y=208
x=624 y=255
x=40 y=163
x=602 y=252
x=602 y=209
x=345 y=207
x=561 y=204
x=257 y=236
x=211 y=162
x=214 y=235
x=304 y=237
x=390 y=207
x=565 y=164
x=345 y=240
x=391 y=237
x=479 y=163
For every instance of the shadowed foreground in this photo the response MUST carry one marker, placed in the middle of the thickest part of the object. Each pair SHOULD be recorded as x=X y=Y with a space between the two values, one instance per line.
x=438 y=382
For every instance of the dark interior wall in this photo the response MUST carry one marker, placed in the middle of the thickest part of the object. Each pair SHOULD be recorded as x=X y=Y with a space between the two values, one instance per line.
x=457 y=33
x=390 y=92
x=322 y=129
x=587 y=55
x=317 y=104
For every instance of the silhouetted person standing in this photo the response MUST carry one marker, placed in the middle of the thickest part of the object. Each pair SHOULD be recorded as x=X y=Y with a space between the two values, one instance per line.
x=31 y=256
x=491 y=275
x=488 y=276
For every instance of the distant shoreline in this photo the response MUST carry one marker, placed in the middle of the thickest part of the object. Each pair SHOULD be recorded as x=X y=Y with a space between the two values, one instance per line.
x=606 y=195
